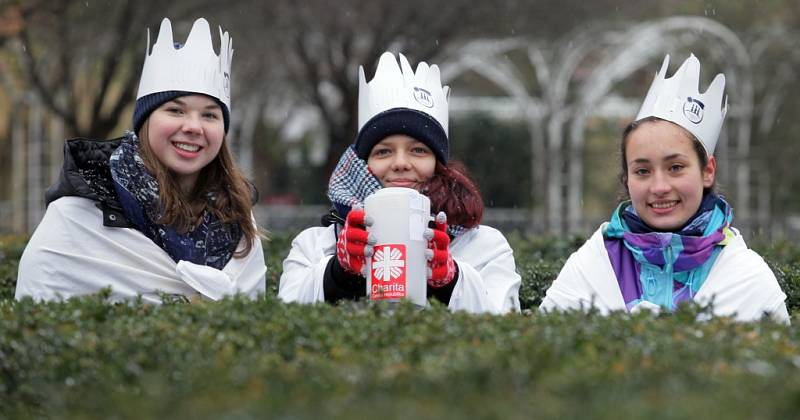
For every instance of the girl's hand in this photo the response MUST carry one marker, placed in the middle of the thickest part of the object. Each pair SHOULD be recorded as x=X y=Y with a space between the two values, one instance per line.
x=441 y=267
x=355 y=244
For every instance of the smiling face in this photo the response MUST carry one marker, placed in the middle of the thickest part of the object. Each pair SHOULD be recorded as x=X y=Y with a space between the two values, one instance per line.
x=402 y=161
x=665 y=177
x=185 y=134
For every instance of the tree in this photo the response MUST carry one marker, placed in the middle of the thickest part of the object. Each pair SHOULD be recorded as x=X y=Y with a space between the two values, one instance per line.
x=323 y=49
x=82 y=59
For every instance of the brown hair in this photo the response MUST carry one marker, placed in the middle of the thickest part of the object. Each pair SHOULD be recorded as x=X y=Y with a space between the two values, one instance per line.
x=452 y=191
x=232 y=202
x=623 y=175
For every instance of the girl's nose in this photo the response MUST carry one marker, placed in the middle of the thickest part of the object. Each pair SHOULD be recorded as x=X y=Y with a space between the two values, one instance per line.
x=400 y=161
x=192 y=124
x=660 y=183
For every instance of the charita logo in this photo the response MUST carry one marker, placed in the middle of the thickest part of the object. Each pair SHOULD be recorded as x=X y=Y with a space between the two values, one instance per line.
x=693 y=110
x=388 y=272
x=423 y=97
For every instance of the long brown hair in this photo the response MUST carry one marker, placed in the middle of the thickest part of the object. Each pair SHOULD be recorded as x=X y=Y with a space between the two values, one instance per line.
x=452 y=191
x=221 y=179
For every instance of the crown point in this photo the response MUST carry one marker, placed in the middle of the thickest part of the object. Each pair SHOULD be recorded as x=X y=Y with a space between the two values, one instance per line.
x=362 y=78
x=434 y=76
x=199 y=36
x=164 y=37
x=664 y=67
x=405 y=66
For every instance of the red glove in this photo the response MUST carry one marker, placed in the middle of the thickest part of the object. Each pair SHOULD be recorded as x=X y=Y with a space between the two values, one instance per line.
x=354 y=244
x=441 y=267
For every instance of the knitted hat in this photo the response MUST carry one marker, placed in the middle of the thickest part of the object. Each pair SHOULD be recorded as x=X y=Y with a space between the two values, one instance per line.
x=413 y=123
x=149 y=103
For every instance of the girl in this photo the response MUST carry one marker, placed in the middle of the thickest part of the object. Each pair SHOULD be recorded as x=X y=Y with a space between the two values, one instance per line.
x=163 y=210
x=403 y=142
x=672 y=241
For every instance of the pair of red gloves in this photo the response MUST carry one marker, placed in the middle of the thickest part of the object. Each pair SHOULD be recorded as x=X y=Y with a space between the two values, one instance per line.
x=355 y=246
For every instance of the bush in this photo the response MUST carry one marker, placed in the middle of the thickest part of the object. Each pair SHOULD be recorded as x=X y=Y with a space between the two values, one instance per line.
x=87 y=358
x=11 y=247
x=237 y=358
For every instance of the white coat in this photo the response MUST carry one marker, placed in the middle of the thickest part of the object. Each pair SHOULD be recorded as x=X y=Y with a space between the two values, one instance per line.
x=487 y=282
x=71 y=253
x=740 y=284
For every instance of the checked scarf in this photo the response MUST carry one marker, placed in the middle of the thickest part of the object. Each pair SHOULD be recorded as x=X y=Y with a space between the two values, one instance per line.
x=351 y=182
x=212 y=243
x=666 y=268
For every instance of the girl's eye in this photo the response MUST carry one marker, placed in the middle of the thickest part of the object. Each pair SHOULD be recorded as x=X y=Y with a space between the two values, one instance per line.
x=174 y=110
x=676 y=167
x=420 y=150
x=641 y=171
x=211 y=115
x=380 y=152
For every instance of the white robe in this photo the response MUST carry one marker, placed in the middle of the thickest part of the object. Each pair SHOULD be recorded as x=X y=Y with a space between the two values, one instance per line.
x=71 y=253
x=488 y=280
x=740 y=284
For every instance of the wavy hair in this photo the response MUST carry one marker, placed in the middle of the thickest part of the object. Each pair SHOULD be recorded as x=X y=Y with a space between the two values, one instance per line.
x=221 y=179
x=452 y=191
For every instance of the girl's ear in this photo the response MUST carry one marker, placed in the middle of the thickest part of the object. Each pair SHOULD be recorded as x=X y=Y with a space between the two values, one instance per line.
x=709 y=172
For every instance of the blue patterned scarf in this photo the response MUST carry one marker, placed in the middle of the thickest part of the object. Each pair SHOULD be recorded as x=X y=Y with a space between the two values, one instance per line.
x=666 y=268
x=351 y=182
x=211 y=243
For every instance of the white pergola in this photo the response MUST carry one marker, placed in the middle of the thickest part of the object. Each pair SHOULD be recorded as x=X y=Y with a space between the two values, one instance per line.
x=572 y=91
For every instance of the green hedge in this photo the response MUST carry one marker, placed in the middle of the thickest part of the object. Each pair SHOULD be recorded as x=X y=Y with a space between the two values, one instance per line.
x=235 y=358
x=86 y=358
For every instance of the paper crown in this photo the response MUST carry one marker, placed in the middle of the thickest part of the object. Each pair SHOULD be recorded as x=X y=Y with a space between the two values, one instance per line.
x=400 y=87
x=195 y=67
x=679 y=100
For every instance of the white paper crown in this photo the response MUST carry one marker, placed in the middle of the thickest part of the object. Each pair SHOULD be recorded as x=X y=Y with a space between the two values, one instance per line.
x=679 y=100
x=395 y=88
x=193 y=68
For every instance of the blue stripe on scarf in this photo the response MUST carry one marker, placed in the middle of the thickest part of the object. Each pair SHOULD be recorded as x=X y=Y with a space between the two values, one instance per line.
x=666 y=268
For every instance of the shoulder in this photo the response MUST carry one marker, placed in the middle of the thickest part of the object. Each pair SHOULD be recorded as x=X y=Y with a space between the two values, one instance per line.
x=481 y=235
x=738 y=247
x=71 y=226
x=315 y=237
x=738 y=266
x=85 y=172
x=594 y=247
x=75 y=207
x=589 y=261
x=741 y=282
x=63 y=220
x=316 y=232
x=737 y=256
x=586 y=279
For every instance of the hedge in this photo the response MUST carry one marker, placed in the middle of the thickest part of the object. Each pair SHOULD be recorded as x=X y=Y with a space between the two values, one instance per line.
x=86 y=358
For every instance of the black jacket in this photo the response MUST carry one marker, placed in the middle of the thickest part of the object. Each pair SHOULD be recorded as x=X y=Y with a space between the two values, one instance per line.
x=86 y=173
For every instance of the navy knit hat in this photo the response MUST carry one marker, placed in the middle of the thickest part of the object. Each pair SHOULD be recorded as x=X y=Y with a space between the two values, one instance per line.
x=410 y=122
x=149 y=103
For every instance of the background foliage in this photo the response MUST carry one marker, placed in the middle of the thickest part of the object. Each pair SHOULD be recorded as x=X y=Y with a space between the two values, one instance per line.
x=70 y=68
